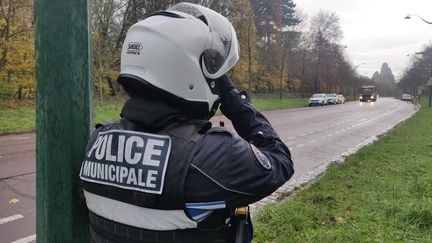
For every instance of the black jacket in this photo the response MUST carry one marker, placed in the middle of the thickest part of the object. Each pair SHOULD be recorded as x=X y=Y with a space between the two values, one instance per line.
x=226 y=166
x=226 y=169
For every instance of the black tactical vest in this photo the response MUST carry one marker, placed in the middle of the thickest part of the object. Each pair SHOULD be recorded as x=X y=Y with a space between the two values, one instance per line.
x=183 y=137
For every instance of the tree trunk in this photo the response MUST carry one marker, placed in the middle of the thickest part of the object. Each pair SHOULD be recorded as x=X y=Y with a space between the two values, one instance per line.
x=112 y=88
x=249 y=56
x=281 y=75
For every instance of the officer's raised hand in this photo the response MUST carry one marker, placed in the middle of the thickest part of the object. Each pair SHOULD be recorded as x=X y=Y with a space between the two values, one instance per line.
x=232 y=101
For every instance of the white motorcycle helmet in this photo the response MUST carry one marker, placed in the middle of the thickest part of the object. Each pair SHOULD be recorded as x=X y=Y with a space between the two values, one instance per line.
x=178 y=53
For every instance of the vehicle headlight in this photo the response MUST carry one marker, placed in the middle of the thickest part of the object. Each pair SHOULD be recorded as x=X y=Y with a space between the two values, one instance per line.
x=372 y=97
x=361 y=97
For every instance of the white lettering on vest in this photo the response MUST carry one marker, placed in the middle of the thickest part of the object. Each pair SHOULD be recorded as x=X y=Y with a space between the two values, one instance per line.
x=129 y=149
x=100 y=151
x=132 y=177
x=95 y=145
x=151 y=178
x=109 y=156
x=120 y=150
x=150 y=150
x=111 y=173
x=140 y=178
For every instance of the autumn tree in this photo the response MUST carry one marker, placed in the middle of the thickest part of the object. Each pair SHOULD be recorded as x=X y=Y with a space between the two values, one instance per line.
x=16 y=49
x=325 y=32
x=418 y=72
x=241 y=16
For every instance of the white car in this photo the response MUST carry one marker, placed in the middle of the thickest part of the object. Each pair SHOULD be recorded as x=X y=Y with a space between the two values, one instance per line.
x=332 y=98
x=318 y=99
x=341 y=99
x=406 y=97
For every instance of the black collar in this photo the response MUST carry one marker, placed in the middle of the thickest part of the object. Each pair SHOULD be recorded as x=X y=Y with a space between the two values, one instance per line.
x=155 y=115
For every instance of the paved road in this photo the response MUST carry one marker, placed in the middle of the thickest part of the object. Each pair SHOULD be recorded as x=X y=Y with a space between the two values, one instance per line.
x=315 y=135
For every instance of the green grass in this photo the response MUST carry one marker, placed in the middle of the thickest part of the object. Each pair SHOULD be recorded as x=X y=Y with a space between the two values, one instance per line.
x=21 y=116
x=272 y=102
x=17 y=118
x=383 y=193
x=110 y=110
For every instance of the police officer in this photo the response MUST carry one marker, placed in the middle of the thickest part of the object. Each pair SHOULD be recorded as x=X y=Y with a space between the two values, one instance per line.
x=163 y=173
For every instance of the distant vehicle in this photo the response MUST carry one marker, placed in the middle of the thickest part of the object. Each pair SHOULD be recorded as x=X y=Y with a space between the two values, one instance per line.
x=332 y=98
x=341 y=99
x=318 y=99
x=406 y=97
x=367 y=93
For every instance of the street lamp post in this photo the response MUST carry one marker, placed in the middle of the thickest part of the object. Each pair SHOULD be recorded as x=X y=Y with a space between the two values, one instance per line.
x=355 y=77
x=409 y=16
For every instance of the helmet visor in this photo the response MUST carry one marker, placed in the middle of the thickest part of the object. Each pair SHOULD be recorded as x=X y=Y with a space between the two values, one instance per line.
x=218 y=48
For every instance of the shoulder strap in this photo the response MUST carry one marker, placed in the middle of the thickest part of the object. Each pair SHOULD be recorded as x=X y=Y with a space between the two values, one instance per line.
x=191 y=131
x=98 y=128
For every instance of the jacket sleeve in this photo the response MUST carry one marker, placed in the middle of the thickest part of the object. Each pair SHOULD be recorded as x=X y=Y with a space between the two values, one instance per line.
x=239 y=169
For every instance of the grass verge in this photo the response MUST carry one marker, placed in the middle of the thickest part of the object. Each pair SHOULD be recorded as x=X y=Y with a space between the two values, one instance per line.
x=16 y=117
x=383 y=193
x=273 y=102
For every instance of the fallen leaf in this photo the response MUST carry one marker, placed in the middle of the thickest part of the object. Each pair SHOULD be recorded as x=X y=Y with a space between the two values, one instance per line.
x=13 y=201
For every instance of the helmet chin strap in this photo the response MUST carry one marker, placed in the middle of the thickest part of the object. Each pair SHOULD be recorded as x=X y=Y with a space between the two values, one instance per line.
x=212 y=85
x=214 y=108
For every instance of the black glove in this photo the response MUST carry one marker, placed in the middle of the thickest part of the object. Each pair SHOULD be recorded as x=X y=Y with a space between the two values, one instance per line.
x=224 y=84
x=232 y=101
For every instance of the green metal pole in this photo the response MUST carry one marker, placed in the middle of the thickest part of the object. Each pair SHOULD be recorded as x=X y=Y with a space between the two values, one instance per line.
x=62 y=118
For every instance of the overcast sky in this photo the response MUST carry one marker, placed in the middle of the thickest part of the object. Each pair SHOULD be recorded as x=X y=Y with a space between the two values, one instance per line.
x=375 y=31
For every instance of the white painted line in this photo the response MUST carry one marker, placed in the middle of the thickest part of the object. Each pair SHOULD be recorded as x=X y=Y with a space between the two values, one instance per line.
x=337 y=132
x=20 y=138
x=11 y=218
x=311 y=132
x=301 y=145
x=291 y=138
x=301 y=135
x=26 y=239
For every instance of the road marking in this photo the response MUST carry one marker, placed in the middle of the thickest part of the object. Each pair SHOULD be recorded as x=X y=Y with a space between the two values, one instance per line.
x=337 y=132
x=20 y=138
x=301 y=135
x=291 y=138
x=311 y=132
x=26 y=239
x=301 y=145
x=11 y=218
x=312 y=141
